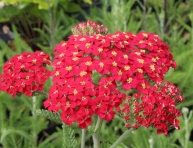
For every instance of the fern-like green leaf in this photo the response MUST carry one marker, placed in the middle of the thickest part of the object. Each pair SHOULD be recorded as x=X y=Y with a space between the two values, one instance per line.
x=49 y=115
x=68 y=137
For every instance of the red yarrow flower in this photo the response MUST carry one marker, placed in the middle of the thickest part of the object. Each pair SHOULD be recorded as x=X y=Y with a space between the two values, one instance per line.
x=25 y=73
x=93 y=72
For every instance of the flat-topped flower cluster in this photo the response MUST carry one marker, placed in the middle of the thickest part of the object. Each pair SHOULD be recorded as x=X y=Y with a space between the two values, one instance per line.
x=102 y=74
x=25 y=73
x=124 y=62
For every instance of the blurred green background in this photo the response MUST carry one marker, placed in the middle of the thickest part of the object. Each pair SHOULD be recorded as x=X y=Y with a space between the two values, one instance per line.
x=41 y=24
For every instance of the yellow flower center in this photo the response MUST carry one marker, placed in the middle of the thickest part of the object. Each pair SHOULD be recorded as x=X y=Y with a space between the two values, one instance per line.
x=140 y=61
x=114 y=53
x=145 y=34
x=75 y=92
x=143 y=85
x=140 y=70
x=88 y=63
x=88 y=45
x=152 y=67
x=83 y=98
x=56 y=91
x=58 y=63
x=114 y=63
x=127 y=67
x=120 y=73
x=101 y=64
x=153 y=59
x=68 y=105
x=127 y=36
x=82 y=39
x=57 y=73
x=150 y=44
x=82 y=82
x=83 y=73
x=138 y=53
x=34 y=61
x=100 y=50
x=68 y=68
x=61 y=55
x=75 y=58
x=19 y=57
x=125 y=56
x=74 y=53
x=64 y=44
x=129 y=80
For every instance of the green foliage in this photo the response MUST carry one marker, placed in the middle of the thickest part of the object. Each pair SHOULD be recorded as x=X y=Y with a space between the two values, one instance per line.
x=20 y=128
x=49 y=115
x=18 y=46
x=7 y=12
x=115 y=128
x=41 y=4
x=95 y=77
x=180 y=42
x=148 y=138
x=183 y=136
x=16 y=126
x=69 y=140
x=42 y=24
x=51 y=142
x=88 y=1
x=55 y=24
x=119 y=18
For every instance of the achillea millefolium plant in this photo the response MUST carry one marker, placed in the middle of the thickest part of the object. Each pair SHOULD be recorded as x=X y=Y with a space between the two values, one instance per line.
x=101 y=74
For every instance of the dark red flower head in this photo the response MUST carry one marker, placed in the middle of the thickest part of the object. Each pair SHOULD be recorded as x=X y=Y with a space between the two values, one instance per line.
x=95 y=74
x=25 y=73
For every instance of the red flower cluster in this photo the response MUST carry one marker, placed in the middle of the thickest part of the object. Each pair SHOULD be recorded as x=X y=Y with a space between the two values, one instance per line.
x=156 y=108
x=123 y=62
x=89 y=28
x=25 y=73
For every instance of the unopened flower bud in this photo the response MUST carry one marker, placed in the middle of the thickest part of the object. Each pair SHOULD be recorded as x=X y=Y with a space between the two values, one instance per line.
x=89 y=28
x=185 y=110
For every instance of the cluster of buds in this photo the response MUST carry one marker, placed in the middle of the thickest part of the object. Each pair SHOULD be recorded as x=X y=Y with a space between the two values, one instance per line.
x=89 y=28
x=25 y=73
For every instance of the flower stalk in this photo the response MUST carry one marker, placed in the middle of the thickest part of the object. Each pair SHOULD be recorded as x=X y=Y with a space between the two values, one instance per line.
x=98 y=125
x=96 y=133
x=83 y=138
x=122 y=137
x=96 y=140
x=34 y=133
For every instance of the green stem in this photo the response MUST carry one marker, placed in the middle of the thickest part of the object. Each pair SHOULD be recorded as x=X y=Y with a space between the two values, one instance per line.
x=83 y=138
x=96 y=140
x=98 y=125
x=96 y=134
x=34 y=133
x=51 y=24
x=121 y=138
x=186 y=134
x=2 y=118
x=144 y=14
x=63 y=134
x=44 y=93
